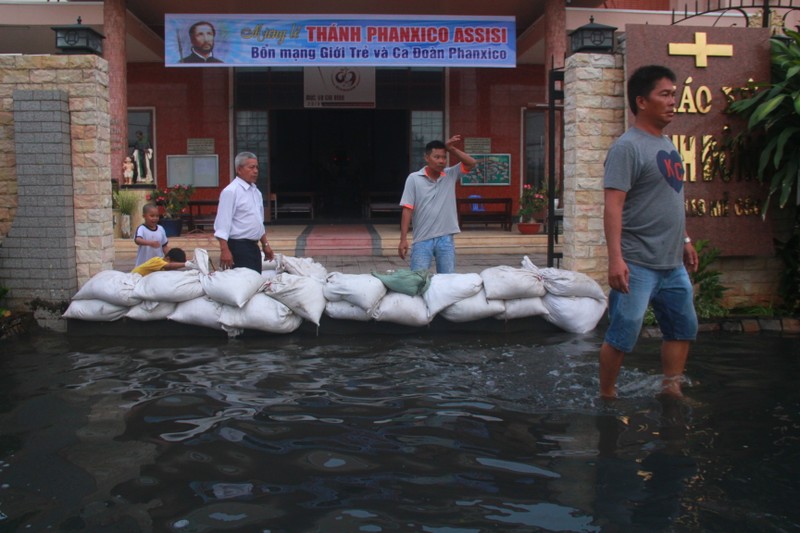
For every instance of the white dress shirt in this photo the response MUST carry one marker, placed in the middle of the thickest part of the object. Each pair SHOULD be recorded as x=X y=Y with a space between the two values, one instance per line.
x=240 y=214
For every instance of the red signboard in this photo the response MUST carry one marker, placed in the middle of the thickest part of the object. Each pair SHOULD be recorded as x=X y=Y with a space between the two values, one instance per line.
x=723 y=202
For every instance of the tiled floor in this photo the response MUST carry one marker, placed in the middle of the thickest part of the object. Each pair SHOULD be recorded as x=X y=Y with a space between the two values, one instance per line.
x=476 y=249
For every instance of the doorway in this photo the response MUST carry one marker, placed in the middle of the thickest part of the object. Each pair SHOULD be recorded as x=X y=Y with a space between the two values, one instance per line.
x=340 y=155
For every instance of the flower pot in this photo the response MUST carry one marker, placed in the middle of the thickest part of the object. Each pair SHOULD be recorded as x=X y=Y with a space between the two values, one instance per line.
x=172 y=226
x=529 y=228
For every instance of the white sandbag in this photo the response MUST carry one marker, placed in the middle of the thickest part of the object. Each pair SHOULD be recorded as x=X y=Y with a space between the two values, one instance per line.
x=276 y=263
x=575 y=314
x=170 y=286
x=95 y=310
x=403 y=309
x=447 y=289
x=267 y=275
x=361 y=290
x=200 y=261
x=232 y=287
x=522 y=308
x=261 y=313
x=342 y=310
x=111 y=286
x=303 y=295
x=475 y=307
x=201 y=311
x=509 y=283
x=148 y=310
x=561 y=282
x=304 y=266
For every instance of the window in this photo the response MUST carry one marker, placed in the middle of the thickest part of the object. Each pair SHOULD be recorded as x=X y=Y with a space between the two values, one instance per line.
x=252 y=135
x=141 y=146
x=426 y=126
x=534 y=149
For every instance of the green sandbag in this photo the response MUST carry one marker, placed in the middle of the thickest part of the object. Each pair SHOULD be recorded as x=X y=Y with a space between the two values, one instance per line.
x=410 y=282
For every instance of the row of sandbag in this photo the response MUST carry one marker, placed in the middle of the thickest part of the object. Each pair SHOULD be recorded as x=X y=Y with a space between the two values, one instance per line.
x=291 y=290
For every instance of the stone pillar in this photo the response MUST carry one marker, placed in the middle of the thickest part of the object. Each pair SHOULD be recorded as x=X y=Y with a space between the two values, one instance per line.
x=594 y=116
x=114 y=51
x=86 y=237
x=37 y=259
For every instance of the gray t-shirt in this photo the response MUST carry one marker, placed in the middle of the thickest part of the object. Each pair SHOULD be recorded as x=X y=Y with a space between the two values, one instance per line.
x=651 y=171
x=433 y=203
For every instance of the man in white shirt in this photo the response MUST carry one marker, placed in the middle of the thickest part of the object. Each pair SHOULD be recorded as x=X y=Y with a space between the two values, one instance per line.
x=239 y=225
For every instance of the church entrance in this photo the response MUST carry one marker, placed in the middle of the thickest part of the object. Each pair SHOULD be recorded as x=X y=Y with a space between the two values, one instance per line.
x=341 y=156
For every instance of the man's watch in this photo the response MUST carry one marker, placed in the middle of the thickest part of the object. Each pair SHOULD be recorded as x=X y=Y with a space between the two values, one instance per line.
x=687 y=240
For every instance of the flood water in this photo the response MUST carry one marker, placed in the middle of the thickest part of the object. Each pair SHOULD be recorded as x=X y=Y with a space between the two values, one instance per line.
x=440 y=433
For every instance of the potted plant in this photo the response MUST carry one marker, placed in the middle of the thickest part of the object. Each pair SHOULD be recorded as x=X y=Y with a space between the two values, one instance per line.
x=174 y=201
x=531 y=203
x=126 y=202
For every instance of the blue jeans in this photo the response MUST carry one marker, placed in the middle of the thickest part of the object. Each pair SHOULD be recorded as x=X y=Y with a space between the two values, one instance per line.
x=668 y=291
x=442 y=248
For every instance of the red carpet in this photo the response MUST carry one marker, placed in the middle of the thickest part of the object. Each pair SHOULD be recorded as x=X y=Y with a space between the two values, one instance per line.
x=350 y=239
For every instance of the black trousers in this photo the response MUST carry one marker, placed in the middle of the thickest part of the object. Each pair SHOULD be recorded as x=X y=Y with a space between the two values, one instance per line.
x=245 y=254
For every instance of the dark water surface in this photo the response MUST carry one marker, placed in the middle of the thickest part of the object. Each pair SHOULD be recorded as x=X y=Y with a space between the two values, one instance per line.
x=439 y=433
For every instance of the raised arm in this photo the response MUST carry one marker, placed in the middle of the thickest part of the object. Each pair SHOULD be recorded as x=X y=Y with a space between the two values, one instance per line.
x=465 y=159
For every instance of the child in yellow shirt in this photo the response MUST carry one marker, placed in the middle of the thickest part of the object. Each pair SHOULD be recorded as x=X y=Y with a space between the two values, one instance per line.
x=174 y=260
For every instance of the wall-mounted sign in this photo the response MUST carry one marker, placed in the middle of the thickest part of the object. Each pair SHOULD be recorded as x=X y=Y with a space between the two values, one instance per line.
x=339 y=87
x=723 y=200
x=478 y=145
x=198 y=146
x=338 y=40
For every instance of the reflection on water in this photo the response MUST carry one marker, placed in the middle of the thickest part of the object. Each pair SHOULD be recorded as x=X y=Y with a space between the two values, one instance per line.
x=434 y=433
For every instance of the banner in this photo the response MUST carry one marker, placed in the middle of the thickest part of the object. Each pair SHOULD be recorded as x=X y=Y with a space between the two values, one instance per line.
x=329 y=40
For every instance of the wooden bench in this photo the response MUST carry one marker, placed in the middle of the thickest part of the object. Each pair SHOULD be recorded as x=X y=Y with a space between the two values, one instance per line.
x=381 y=202
x=293 y=202
x=485 y=211
x=201 y=215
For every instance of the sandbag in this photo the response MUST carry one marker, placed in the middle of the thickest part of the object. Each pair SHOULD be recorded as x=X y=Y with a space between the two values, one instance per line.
x=576 y=314
x=232 y=287
x=361 y=290
x=569 y=283
x=95 y=310
x=261 y=313
x=148 y=310
x=201 y=261
x=522 y=308
x=201 y=311
x=475 y=307
x=342 y=310
x=402 y=309
x=304 y=266
x=509 y=283
x=447 y=289
x=170 y=286
x=303 y=295
x=111 y=286
x=405 y=281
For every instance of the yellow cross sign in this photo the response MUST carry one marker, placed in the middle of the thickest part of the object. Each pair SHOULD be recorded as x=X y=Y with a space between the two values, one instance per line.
x=700 y=49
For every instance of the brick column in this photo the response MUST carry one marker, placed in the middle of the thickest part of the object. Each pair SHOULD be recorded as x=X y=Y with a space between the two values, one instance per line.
x=115 y=52
x=594 y=115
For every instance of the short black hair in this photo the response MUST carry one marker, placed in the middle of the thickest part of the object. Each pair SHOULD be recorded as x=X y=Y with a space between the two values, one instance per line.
x=176 y=255
x=643 y=80
x=434 y=145
x=202 y=23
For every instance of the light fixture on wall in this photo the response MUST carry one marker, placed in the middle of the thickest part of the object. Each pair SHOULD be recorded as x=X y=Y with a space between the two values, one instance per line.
x=592 y=37
x=78 y=39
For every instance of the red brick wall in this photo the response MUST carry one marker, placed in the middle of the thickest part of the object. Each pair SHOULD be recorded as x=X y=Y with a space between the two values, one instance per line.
x=189 y=103
x=488 y=103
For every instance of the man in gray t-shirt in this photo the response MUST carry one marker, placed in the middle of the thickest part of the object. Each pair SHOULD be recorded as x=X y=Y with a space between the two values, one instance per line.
x=649 y=252
x=429 y=201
